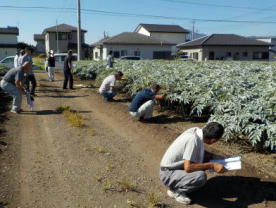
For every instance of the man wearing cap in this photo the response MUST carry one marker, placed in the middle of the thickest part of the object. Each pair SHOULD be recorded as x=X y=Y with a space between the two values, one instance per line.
x=68 y=67
x=13 y=83
x=141 y=106
x=51 y=66
x=108 y=88
x=30 y=77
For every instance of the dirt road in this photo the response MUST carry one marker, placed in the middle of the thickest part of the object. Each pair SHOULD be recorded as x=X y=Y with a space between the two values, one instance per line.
x=113 y=161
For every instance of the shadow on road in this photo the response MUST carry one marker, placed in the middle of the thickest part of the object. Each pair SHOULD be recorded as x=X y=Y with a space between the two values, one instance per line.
x=47 y=112
x=234 y=192
x=64 y=96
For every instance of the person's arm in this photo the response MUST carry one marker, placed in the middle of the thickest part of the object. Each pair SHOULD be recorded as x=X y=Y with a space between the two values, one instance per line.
x=160 y=97
x=19 y=84
x=192 y=167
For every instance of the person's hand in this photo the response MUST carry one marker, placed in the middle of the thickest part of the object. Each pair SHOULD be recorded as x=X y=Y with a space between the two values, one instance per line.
x=219 y=168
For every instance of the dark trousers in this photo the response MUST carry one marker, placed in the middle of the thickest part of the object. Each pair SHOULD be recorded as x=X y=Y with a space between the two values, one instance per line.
x=68 y=75
x=30 y=78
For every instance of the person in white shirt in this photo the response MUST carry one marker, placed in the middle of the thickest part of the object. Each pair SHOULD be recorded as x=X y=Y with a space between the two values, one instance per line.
x=108 y=88
x=182 y=166
x=16 y=59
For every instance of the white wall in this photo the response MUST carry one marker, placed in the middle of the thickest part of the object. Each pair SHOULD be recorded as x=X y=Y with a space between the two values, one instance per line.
x=7 y=52
x=146 y=51
x=8 y=38
x=272 y=56
x=143 y=31
x=170 y=37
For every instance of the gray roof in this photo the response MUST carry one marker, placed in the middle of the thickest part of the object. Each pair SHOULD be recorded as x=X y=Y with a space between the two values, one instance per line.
x=62 y=28
x=162 y=28
x=39 y=37
x=9 y=30
x=223 y=40
x=132 y=38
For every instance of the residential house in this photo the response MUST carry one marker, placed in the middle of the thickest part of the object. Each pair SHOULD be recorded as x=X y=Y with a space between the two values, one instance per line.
x=132 y=44
x=8 y=41
x=226 y=47
x=40 y=43
x=272 y=49
x=171 y=33
x=67 y=39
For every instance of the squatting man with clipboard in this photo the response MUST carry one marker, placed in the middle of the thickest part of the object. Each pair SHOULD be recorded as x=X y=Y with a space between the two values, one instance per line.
x=182 y=166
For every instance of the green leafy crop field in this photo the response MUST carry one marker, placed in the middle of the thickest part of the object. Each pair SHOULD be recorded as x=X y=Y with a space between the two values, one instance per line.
x=240 y=95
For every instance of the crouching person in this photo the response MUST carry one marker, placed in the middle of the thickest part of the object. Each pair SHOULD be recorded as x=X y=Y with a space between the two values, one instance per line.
x=13 y=83
x=142 y=104
x=182 y=167
x=108 y=88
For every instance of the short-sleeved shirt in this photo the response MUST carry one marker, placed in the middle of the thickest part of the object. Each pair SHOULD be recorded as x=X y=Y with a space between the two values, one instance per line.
x=140 y=98
x=14 y=74
x=68 y=60
x=108 y=82
x=24 y=59
x=51 y=61
x=188 y=146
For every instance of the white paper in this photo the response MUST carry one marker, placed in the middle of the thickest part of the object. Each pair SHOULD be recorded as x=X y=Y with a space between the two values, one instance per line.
x=231 y=163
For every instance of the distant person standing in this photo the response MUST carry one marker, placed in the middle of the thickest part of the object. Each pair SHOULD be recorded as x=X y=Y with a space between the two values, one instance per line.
x=13 y=83
x=21 y=54
x=16 y=59
x=51 y=63
x=110 y=60
x=68 y=67
x=29 y=77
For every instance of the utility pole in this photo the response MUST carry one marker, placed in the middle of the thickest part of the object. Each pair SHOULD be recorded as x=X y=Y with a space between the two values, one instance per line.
x=193 y=32
x=57 y=35
x=79 y=31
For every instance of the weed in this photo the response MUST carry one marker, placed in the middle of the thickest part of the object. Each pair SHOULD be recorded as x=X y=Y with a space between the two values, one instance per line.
x=61 y=109
x=127 y=186
x=109 y=167
x=98 y=178
x=91 y=132
x=132 y=203
x=74 y=118
x=153 y=200
x=100 y=150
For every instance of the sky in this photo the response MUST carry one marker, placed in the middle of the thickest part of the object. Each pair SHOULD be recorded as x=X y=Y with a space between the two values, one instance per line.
x=34 y=21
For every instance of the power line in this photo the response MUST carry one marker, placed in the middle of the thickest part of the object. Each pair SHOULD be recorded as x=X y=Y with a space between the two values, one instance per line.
x=103 y=12
x=214 y=5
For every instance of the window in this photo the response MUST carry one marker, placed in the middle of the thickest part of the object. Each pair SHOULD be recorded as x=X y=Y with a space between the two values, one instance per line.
x=62 y=36
x=245 y=54
x=228 y=54
x=96 y=55
x=70 y=36
x=195 y=55
x=123 y=52
x=257 y=55
x=137 y=53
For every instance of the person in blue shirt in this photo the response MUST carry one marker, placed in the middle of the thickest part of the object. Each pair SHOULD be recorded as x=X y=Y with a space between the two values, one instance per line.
x=142 y=104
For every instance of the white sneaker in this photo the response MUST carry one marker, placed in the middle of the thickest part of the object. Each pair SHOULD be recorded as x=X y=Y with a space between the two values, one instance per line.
x=14 y=111
x=181 y=198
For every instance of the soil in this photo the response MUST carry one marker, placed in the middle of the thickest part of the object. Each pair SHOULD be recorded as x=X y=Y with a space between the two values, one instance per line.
x=112 y=161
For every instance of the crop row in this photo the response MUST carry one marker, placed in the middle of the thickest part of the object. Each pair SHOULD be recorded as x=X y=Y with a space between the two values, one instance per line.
x=240 y=95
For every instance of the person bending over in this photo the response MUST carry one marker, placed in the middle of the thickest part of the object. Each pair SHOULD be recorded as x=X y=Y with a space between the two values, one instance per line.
x=13 y=83
x=182 y=167
x=141 y=106
x=108 y=88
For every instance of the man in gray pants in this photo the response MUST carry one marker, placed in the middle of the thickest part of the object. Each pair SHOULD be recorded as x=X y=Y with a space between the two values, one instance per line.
x=13 y=83
x=182 y=168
